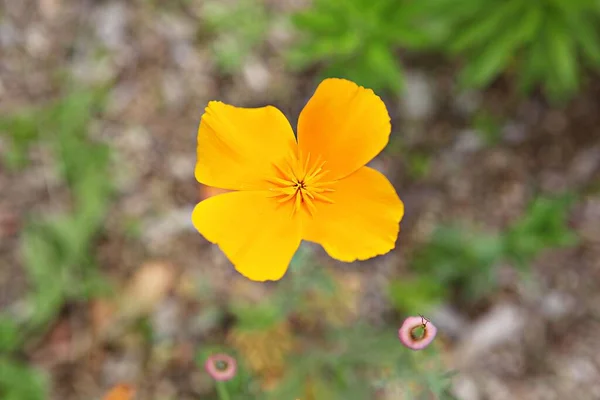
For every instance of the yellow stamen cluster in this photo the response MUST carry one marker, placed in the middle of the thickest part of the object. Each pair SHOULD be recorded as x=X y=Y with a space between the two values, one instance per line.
x=301 y=181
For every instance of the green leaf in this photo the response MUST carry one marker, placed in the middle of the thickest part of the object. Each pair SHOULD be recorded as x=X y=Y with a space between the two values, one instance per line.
x=313 y=22
x=21 y=130
x=543 y=226
x=533 y=66
x=495 y=57
x=484 y=28
x=452 y=13
x=384 y=64
x=416 y=295
x=257 y=317
x=402 y=24
x=586 y=35
x=9 y=334
x=563 y=72
x=19 y=382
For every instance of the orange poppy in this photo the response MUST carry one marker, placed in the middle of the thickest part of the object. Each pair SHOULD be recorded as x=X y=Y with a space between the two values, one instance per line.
x=316 y=188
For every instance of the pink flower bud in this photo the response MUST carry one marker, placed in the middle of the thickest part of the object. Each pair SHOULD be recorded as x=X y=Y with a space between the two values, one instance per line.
x=416 y=333
x=221 y=367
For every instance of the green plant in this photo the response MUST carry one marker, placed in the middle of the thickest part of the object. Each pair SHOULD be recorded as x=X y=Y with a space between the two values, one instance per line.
x=323 y=359
x=355 y=362
x=488 y=127
x=465 y=261
x=547 y=42
x=239 y=29
x=20 y=382
x=57 y=253
x=17 y=380
x=21 y=130
x=358 y=39
x=543 y=226
x=56 y=250
x=419 y=164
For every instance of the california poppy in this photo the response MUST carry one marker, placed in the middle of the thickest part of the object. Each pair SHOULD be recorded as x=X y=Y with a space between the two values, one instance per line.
x=316 y=188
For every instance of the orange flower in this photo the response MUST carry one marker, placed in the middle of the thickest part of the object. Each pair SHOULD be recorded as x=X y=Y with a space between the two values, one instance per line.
x=120 y=392
x=316 y=188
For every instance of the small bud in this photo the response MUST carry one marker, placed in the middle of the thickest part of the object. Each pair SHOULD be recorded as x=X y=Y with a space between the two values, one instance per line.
x=416 y=333
x=221 y=367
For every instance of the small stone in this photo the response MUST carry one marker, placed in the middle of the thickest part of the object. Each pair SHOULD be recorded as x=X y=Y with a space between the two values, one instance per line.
x=9 y=36
x=498 y=326
x=122 y=369
x=584 y=165
x=449 y=321
x=147 y=288
x=36 y=41
x=49 y=9
x=111 y=24
x=417 y=101
x=556 y=306
x=465 y=388
x=165 y=320
x=91 y=71
x=514 y=132
x=582 y=371
x=467 y=102
x=173 y=89
x=182 y=166
x=159 y=231
x=256 y=75
x=468 y=141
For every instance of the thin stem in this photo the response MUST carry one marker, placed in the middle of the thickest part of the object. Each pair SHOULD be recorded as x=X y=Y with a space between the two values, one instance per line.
x=222 y=390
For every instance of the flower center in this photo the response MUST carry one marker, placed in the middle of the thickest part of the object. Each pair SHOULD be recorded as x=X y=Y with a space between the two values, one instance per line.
x=418 y=332
x=221 y=365
x=301 y=181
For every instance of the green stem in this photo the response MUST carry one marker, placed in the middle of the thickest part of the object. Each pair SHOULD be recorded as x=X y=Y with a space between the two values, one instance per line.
x=222 y=390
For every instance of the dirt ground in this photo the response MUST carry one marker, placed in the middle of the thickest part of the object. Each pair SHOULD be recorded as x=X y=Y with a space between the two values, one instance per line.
x=532 y=340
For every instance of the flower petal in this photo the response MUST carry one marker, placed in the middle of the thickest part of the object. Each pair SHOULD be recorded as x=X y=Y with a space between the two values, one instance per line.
x=346 y=124
x=362 y=222
x=238 y=146
x=257 y=234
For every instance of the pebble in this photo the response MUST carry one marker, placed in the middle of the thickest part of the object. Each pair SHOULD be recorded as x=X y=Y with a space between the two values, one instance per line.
x=465 y=388
x=417 y=102
x=499 y=325
x=111 y=24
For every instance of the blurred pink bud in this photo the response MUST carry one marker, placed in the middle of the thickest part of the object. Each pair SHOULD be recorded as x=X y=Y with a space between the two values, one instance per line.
x=221 y=367
x=416 y=333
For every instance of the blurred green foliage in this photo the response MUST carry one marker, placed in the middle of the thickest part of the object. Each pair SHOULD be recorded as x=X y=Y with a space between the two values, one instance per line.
x=56 y=249
x=238 y=29
x=463 y=261
x=359 y=39
x=21 y=382
x=543 y=226
x=344 y=361
x=21 y=131
x=548 y=43
x=338 y=367
x=488 y=127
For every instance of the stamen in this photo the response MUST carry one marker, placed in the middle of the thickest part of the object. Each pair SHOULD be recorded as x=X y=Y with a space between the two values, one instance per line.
x=300 y=180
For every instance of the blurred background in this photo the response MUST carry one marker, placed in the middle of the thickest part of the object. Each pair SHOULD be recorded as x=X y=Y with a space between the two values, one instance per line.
x=495 y=151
